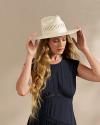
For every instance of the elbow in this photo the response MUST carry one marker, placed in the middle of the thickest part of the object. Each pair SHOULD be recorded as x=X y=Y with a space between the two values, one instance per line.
x=20 y=91
x=97 y=78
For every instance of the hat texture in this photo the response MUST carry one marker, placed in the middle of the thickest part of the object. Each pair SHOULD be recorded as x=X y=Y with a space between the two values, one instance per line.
x=53 y=26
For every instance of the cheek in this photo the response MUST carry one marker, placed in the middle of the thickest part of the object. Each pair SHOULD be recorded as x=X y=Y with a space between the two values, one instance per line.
x=52 y=45
x=65 y=44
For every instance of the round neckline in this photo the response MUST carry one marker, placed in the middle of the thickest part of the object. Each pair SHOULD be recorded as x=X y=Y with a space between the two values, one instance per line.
x=57 y=63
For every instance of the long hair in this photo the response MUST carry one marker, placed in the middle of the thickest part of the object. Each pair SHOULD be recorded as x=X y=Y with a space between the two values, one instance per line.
x=40 y=70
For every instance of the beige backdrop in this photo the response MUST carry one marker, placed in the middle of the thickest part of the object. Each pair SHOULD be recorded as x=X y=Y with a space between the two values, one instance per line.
x=18 y=18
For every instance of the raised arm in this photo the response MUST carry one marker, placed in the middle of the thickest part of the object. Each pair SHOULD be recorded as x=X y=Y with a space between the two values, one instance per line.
x=92 y=73
x=87 y=73
x=22 y=84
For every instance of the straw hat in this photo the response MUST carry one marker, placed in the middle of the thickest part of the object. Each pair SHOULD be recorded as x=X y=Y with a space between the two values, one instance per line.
x=53 y=26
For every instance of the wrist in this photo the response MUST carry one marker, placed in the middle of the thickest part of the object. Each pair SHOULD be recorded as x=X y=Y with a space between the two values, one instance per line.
x=28 y=59
x=29 y=56
x=86 y=50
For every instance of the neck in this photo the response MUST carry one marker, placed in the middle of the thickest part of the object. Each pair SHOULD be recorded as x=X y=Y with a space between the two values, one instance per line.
x=56 y=58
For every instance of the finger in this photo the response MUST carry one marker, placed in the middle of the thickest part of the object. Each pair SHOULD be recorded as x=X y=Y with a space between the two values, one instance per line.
x=80 y=33
x=34 y=38
x=34 y=33
x=81 y=36
x=29 y=41
x=29 y=38
x=36 y=43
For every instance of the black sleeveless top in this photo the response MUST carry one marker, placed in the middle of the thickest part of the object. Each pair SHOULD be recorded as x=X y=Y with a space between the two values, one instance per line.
x=57 y=105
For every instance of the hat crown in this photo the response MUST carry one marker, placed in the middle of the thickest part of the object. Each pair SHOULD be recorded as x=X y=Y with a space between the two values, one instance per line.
x=52 y=25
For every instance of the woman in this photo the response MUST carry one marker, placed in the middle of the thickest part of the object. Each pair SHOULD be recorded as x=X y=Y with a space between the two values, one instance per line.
x=50 y=71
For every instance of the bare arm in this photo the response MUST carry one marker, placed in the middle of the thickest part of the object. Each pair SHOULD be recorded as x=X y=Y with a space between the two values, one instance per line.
x=93 y=73
x=22 y=84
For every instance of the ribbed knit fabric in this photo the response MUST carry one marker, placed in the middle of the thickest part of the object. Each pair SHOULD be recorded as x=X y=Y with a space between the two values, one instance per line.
x=57 y=105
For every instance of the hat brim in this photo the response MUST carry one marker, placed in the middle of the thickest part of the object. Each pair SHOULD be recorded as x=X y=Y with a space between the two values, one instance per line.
x=58 y=34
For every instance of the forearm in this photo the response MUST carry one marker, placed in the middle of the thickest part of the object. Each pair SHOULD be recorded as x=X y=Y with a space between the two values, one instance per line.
x=22 y=82
x=95 y=64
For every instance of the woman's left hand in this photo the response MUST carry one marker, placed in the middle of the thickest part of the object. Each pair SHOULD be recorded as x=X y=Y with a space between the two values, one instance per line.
x=81 y=42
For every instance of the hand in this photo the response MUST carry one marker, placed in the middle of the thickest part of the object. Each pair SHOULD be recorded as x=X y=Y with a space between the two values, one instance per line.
x=81 y=42
x=32 y=44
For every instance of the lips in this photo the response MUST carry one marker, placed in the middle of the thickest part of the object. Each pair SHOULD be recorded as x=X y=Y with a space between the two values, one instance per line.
x=60 y=48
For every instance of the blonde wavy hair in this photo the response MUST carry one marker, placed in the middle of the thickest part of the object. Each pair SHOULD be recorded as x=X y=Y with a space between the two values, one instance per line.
x=40 y=70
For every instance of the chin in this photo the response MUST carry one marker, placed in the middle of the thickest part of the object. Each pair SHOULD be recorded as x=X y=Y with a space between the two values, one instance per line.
x=59 y=52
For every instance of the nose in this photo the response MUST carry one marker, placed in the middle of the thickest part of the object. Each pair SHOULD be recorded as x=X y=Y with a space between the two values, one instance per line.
x=60 y=43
